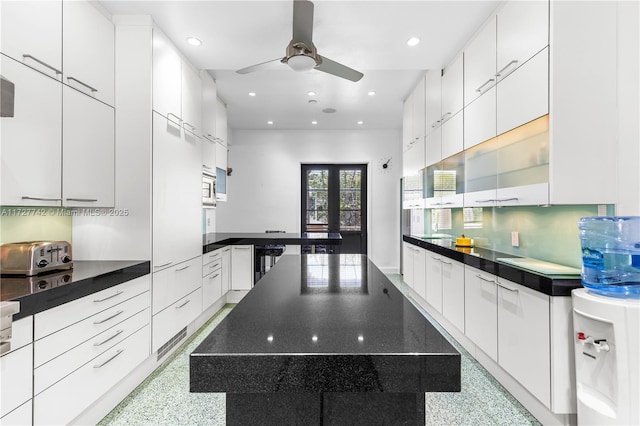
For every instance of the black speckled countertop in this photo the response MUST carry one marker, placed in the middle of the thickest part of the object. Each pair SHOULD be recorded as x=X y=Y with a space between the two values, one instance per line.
x=214 y=241
x=486 y=260
x=42 y=292
x=319 y=323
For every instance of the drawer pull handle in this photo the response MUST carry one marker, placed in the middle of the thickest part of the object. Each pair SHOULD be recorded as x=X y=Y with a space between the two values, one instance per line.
x=486 y=279
x=479 y=89
x=108 y=318
x=214 y=266
x=506 y=66
x=170 y=114
x=215 y=276
x=184 y=304
x=118 y=352
x=508 y=199
x=26 y=197
x=446 y=263
x=183 y=268
x=163 y=265
x=514 y=290
x=117 y=333
x=83 y=200
x=57 y=71
x=117 y=293
x=193 y=128
x=486 y=201
x=82 y=83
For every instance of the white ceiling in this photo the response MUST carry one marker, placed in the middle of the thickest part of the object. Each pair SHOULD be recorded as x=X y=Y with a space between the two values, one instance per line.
x=369 y=36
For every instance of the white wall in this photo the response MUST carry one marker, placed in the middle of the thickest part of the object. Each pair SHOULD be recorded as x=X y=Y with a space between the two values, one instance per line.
x=264 y=188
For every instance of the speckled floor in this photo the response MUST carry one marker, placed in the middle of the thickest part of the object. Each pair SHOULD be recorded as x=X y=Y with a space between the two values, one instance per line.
x=164 y=398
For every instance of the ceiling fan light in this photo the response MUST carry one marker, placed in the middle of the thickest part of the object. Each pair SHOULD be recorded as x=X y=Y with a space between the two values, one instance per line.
x=301 y=63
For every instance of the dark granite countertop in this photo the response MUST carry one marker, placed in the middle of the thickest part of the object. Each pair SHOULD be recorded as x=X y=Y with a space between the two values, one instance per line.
x=214 y=241
x=42 y=292
x=315 y=319
x=486 y=260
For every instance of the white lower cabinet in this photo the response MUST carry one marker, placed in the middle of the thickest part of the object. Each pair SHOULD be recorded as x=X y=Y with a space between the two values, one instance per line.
x=167 y=323
x=16 y=370
x=453 y=292
x=414 y=268
x=481 y=310
x=174 y=283
x=407 y=263
x=64 y=401
x=434 y=281
x=212 y=273
x=523 y=337
x=241 y=267
x=84 y=347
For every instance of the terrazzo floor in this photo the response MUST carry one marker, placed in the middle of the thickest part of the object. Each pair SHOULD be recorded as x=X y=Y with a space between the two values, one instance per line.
x=164 y=398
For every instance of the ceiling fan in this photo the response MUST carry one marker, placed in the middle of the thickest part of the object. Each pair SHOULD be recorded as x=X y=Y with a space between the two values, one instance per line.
x=301 y=53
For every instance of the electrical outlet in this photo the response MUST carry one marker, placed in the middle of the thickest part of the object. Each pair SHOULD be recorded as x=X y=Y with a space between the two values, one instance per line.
x=515 y=239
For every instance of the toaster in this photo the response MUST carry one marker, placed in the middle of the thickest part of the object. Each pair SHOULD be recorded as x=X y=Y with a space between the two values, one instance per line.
x=35 y=257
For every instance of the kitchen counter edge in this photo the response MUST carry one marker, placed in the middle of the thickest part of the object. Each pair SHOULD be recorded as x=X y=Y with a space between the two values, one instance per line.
x=485 y=260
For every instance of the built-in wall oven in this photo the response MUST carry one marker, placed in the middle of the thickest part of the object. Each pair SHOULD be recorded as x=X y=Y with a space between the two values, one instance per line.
x=208 y=190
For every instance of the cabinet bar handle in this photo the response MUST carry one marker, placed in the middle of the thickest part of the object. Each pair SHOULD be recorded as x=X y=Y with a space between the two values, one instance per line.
x=486 y=279
x=164 y=264
x=446 y=263
x=507 y=199
x=444 y=117
x=241 y=248
x=170 y=114
x=479 y=89
x=485 y=201
x=183 y=268
x=436 y=258
x=214 y=266
x=515 y=290
x=117 y=293
x=118 y=352
x=185 y=302
x=108 y=318
x=26 y=197
x=193 y=128
x=82 y=83
x=215 y=276
x=117 y=333
x=84 y=200
x=57 y=71
x=506 y=66
x=204 y=166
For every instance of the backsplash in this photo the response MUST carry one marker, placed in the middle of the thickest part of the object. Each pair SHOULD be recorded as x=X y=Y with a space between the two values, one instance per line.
x=35 y=224
x=545 y=233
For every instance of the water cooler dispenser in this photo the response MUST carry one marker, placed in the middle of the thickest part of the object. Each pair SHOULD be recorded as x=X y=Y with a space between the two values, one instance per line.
x=606 y=322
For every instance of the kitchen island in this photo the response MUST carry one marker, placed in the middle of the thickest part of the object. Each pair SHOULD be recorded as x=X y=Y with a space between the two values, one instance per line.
x=325 y=339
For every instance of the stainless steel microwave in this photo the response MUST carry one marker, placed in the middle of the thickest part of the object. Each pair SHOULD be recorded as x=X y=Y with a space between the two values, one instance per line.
x=208 y=190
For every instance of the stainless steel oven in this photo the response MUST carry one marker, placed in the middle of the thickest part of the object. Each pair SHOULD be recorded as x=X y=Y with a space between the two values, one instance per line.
x=208 y=190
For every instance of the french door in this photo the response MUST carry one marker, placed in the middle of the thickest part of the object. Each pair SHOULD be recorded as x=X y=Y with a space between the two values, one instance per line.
x=334 y=199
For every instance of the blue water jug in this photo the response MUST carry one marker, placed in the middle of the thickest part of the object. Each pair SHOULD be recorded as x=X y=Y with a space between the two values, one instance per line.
x=611 y=255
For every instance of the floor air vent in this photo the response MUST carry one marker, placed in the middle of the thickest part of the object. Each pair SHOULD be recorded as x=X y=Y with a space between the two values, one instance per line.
x=162 y=351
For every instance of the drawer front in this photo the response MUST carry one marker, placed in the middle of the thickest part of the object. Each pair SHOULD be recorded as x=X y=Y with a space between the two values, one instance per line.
x=65 y=400
x=60 y=367
x=16 y=369
x=171 y=320
x=58 y=343
x=21 y=416
x=174 y=283
x=21 y=333
x=62 y=316
x=211 y=256
x=212 y=266
x=211 y=288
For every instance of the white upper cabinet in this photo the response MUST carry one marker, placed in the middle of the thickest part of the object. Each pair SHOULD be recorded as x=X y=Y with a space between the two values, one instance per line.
x=418 y=114
x=221 y=121
x=413 y=130
x=31 y=140
x=433 y=100
x=88 y=51
x=452 y=89
x=88 y=160
x=191 y=100
x=167 y=78
x=480 y=62
x=209 y=104
x=31 y=32
x=522 y=31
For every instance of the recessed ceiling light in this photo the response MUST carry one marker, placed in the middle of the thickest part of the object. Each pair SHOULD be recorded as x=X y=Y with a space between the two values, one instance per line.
x=371 y=93
x=270 y=122
x=311 y=93
x=360 y=122
x=193 y=41
x=413 y=41
x=314 y=122
x=329 y=110
x=252 y=93
x=313 y=101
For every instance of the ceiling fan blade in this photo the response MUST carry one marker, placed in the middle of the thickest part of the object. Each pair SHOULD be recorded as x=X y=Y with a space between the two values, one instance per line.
x=261 y=66
x=303 y=22
x=339 y=70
